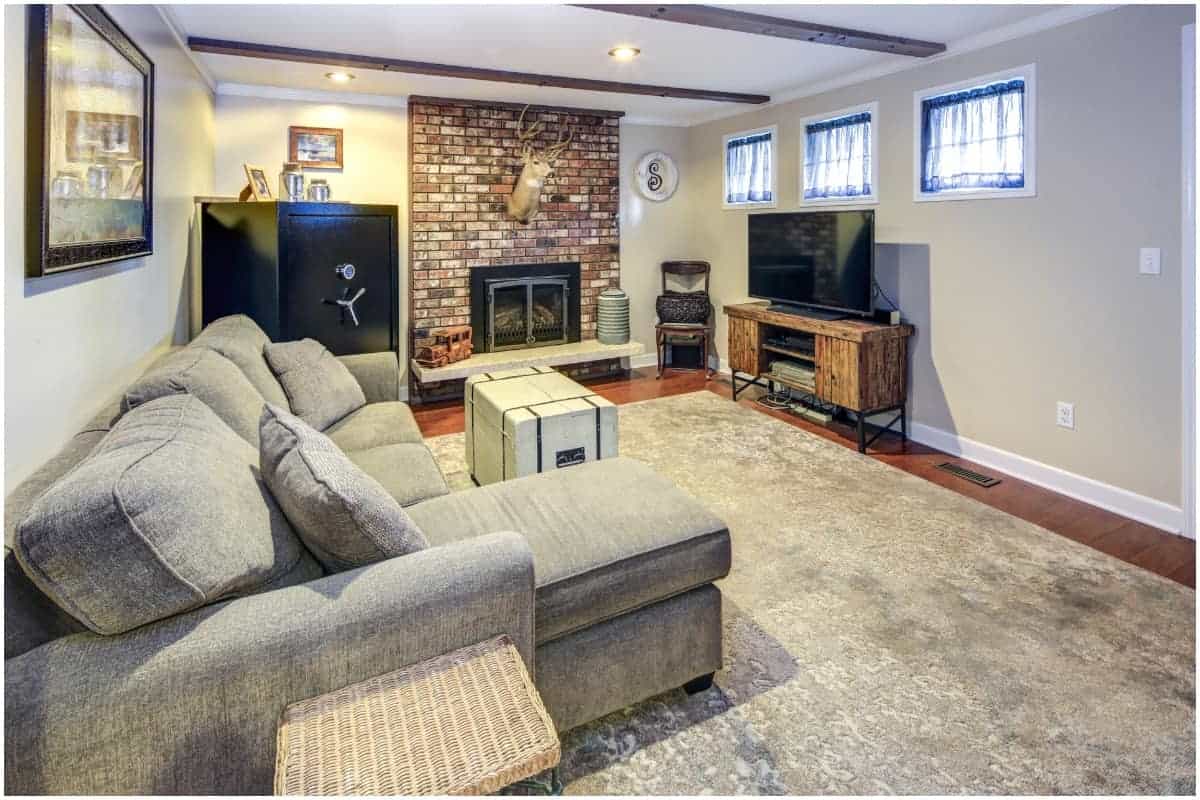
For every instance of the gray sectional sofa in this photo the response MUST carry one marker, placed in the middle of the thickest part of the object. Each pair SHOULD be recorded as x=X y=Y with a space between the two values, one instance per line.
x=602 y=574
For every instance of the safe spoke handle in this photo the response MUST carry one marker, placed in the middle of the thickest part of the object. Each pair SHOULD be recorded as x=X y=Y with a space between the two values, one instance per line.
x=346 y=304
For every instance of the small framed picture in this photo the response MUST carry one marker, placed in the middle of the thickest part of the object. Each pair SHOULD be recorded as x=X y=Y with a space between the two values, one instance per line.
x=260 y=187
x=315 y=148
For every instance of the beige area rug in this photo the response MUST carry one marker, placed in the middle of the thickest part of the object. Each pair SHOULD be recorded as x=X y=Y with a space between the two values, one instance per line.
x=886 y=635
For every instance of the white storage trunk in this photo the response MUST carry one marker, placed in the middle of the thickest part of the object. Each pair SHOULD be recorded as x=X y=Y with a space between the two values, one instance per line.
x=534 y=419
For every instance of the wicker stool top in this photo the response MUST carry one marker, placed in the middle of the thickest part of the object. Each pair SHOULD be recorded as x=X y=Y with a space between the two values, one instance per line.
x=468 y=722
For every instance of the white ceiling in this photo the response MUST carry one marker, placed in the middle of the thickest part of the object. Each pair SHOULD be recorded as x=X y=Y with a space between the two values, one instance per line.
x=560 y=40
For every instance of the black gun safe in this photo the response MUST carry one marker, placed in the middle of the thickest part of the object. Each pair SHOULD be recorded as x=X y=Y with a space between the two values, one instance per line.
x=324 y=271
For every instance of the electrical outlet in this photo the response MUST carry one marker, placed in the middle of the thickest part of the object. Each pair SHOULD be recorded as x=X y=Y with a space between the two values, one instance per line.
x=1150 y=261
x=1065 y=415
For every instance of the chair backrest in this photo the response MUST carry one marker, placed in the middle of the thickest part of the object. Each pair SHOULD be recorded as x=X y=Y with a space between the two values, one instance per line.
x=686 y=268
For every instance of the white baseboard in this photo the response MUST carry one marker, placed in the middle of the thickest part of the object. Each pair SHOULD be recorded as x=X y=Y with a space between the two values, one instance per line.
x=651 y=360
x=644 y=360
x=1088 y=490
x=1111 y=498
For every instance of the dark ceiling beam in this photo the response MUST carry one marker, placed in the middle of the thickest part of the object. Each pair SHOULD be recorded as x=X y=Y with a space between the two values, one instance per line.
x=350 y=60
x=745 y=22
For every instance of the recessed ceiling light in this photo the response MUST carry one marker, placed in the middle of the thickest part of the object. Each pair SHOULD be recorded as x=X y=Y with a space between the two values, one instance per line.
x=624 y=53
x=339 y=77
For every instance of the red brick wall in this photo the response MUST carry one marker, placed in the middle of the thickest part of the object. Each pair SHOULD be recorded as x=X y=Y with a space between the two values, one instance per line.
x=464 y=158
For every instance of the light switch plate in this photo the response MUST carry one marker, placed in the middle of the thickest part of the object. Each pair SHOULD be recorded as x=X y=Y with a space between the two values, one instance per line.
x=1150 y=261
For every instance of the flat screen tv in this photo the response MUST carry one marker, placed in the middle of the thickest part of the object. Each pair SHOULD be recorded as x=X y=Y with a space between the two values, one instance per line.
x=823 y=260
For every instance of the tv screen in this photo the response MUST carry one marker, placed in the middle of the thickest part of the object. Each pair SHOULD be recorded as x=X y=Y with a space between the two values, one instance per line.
x=824 y=259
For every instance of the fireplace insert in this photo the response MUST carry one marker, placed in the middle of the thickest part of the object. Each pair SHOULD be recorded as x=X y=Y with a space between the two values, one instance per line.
x=521 y=306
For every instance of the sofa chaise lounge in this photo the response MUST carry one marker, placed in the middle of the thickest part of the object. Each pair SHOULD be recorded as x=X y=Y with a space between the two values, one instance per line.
x=602 y=574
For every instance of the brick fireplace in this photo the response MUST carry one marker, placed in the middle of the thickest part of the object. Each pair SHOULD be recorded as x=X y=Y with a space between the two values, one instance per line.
x=464 y=158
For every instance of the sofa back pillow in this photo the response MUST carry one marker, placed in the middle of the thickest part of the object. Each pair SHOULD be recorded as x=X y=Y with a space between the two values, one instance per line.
x=239 y=339
x=319 y=388
x=166 y=514
x=345 y=517
x=209 y=376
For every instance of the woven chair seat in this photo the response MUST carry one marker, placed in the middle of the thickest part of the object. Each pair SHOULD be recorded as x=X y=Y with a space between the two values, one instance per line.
x=468 y=722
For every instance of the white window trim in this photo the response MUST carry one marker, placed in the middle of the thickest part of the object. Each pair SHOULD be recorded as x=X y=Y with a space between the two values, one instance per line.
x=871 y=199
x=774 y=201
x=1029 y=74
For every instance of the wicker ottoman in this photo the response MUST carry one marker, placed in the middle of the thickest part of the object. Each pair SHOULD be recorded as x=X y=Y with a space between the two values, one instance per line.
x=468 y=722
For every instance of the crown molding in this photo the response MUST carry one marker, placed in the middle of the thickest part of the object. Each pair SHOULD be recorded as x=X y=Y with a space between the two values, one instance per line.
x=660 y=122
x=1017 y=30
x=311 y=95
x=172 y=22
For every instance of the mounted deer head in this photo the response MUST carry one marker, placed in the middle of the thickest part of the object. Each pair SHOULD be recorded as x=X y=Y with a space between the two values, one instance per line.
x=526 y=196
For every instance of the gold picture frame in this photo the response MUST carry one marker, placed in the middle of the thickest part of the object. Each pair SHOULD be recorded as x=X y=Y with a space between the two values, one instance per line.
x=315 y=148
x=258 y=184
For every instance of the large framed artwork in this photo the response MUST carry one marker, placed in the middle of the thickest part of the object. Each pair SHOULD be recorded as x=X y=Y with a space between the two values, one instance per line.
x=88 y=141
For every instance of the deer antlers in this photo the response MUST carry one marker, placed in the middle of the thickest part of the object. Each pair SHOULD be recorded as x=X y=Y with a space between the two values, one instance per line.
x=527 y=136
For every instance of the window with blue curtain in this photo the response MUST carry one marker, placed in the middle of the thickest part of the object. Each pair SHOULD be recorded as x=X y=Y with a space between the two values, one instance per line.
x=974 y=139
x=748 y=165
x=837 y=158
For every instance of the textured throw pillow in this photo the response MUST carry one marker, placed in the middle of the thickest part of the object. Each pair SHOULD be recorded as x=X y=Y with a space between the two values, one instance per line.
x=319 y=388
x=166 y=514
x=209 y=376
x=343 y=515
x=239 y=339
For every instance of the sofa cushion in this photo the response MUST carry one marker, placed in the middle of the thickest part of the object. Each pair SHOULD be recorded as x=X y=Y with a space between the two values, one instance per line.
x=607 y=537
x=319 y=387
x=343 y=515
x=374 y=425
x=31 y=618
x=209 y=376
x=239 y=339
x=167 y=513
x=407 y=471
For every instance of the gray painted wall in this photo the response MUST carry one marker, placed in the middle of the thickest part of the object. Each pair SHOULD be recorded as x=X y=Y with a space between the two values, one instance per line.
x=1020 y=303
x=74 y=341
x=651 y=232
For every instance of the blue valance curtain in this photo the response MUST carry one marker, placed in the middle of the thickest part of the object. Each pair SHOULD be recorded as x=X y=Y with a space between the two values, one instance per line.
x=837 y=157
x=748 y=169
x=974 y=139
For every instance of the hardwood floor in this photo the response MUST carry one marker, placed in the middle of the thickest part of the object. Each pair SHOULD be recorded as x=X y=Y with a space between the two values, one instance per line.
x=1150 y=548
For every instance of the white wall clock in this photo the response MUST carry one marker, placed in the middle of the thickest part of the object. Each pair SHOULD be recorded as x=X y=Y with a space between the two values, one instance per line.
x=657 y=176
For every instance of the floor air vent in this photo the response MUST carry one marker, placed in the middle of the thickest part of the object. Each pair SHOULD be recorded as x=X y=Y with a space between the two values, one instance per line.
x=979 y=478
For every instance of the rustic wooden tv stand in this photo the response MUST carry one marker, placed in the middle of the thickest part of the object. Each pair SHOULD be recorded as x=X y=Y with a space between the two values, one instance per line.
x=858 y=366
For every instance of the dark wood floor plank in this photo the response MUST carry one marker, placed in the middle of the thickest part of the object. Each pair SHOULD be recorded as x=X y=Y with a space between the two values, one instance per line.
x=1128 y=541
x=1185 y=573
x=1173 y=557
x=1165 y=555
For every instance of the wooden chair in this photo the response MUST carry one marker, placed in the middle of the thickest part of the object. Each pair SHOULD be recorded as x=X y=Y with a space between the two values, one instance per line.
x=664 y=332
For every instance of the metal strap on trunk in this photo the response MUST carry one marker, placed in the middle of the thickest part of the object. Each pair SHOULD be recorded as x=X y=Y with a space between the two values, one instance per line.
x=487 y=377
x=588 y=400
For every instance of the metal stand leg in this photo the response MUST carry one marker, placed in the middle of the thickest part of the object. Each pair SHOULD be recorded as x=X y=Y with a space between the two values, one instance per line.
x=545 y=783
x=901 y=417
